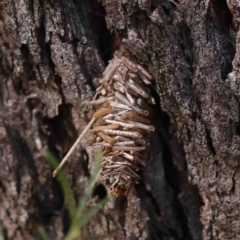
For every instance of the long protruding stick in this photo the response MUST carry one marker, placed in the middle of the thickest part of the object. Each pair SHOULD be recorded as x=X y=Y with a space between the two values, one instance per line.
x=74 y=147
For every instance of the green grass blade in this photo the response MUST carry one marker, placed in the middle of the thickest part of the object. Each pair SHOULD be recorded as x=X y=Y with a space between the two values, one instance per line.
x=1 y=234
x=80 y=218
x=61 y=177
x=88 y=192
x=43 y=234
x=73 y=234
x=93 y=212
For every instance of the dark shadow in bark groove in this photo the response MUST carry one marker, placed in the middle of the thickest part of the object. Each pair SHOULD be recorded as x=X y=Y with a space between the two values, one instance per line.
x=173 y=183
x=103 y=37
x=23 y=155
x=187 y=46
x=48 y=207
x=238 y=124
x=175 y=179
x=167 y=6
x=223 y=16
x=238 y=129
x=28 y=69
x=66 y=221
x=157 y=177
x=92 y=17
x=100 y=191
x=45 y=47
x=209 y=142
x=219 y=27
x=59 y=129
x=159 y=202
x=191 y=209
x=93 y=24
x=58 y=81
x=84 y=163
x=45 y=51
x=156 y=228
x=120 y=205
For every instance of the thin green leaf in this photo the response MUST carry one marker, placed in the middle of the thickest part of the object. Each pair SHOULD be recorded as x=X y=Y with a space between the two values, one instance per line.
x=93 y=212
x=61 y=177
x=73 y=234
x=1 y=234
x=43 y=234
x=80 y=218
x=89 y=190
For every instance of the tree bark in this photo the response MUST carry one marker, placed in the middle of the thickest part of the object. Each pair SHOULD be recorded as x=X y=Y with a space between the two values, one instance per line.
x=51 y=55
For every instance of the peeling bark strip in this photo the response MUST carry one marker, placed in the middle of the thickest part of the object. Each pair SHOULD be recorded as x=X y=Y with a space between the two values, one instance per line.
x=51 y=56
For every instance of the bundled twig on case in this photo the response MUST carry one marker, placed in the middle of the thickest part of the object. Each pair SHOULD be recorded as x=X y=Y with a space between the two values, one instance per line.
x=121 y=123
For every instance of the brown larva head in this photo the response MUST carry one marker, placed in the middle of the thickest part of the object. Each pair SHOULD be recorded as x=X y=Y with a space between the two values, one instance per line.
x=119 y=191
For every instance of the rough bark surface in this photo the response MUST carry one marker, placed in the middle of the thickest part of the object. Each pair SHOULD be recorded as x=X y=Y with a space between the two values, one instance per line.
x=52 y=52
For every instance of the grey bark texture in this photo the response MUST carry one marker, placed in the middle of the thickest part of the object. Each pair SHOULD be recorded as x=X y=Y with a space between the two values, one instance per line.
x=51 y=54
